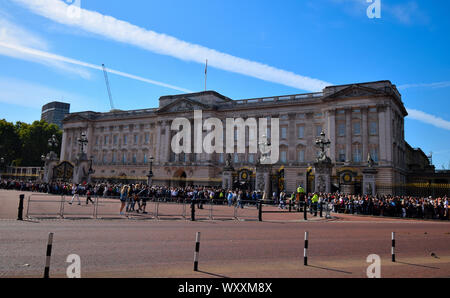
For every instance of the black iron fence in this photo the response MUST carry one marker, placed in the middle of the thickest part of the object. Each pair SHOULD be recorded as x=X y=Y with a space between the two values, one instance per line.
x=415 y=190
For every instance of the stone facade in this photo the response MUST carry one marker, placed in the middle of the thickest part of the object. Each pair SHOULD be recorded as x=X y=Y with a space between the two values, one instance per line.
x=359 y=119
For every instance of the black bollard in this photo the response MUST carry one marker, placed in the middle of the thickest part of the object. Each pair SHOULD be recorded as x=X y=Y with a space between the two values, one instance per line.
x=48 y=255
x=320 y=209
x=20 y=214
x=290 y=205
x=193 y=210
x=260 y=211
x=393 y=247
x=305 y=215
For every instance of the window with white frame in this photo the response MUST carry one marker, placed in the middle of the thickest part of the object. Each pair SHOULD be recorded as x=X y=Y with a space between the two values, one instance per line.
x=301 y=132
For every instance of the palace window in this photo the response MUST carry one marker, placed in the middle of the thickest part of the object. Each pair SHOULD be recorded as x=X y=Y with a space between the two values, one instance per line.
x=283 y=133
x=356 y=128
x=356 y=153
x=374 y=154
x=342 y=155
x=318 y=130
x=283 y=156
x=341 y=129
x=373 y=127
x=301 y=132
x=301 y=155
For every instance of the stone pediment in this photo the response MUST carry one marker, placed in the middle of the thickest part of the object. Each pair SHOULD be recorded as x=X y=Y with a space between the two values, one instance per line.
x=183 y=105
x=74 y=118
x=354 y=91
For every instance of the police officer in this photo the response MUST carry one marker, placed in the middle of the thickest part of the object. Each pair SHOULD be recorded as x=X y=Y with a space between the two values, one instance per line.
x=314 y=202
x=300 y=196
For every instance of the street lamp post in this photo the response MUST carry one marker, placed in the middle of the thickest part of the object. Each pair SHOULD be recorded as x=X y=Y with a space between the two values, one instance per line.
x=83 y=142
x=90 y=171
x=53 y=142
x=150 y=173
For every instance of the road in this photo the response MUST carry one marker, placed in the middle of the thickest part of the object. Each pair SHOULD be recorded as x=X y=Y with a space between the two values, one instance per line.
x=165 y=248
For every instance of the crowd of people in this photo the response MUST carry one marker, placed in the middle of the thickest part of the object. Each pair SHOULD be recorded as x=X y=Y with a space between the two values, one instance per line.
x=135 y=196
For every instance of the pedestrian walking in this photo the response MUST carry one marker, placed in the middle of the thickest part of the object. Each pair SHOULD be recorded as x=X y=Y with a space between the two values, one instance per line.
x=123 y=198
x=76 y=194
x=88 y=195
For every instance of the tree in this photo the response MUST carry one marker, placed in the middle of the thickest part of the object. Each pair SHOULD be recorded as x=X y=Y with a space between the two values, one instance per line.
x=10 y=145
x=34 y=139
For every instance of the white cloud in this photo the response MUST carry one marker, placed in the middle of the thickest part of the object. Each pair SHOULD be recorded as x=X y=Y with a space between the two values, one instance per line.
x=429 y=119
x=425 y=85
x=15 y=35
x=125 y=32
x=57 y=58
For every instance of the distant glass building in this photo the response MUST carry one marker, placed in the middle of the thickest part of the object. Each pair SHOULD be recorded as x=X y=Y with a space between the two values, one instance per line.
x=54 y=112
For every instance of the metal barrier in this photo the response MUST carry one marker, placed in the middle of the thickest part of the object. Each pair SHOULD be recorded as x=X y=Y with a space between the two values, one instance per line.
x=45 y=207
x=248 y=210
x=104 y=208
x=223 y=212
x=73 y=209
x=203 y=210
x=162 y=212
x=110 y=208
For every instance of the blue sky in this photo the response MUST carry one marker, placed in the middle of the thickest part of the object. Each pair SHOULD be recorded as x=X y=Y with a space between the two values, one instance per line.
x=254 y=48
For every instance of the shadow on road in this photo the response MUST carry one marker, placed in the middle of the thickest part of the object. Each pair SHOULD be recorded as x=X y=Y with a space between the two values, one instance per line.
x=417 y=265
x=212 y=274
x=329 y=269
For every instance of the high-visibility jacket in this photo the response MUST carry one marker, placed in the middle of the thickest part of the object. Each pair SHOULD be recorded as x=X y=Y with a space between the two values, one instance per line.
x=300 y=190
x=315 y=199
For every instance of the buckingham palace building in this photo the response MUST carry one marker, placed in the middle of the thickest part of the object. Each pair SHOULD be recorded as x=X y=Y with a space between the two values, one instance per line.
x=359 y=119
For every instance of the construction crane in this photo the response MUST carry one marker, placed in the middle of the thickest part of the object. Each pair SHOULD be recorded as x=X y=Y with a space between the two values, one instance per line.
x=107 y=86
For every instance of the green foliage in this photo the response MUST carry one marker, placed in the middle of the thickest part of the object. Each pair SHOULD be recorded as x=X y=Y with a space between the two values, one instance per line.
x=10 y=144
x=25 y=143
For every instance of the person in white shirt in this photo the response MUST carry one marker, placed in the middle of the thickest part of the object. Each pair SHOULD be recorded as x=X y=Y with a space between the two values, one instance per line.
x=76 y=194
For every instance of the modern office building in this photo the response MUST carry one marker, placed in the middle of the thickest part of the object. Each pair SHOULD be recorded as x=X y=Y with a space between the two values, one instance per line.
x=54 y=112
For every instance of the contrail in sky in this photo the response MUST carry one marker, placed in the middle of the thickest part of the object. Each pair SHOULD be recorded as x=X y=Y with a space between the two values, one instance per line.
x=51 y=56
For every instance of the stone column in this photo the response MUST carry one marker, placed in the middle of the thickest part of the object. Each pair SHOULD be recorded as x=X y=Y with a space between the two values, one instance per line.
x=227 y=179
x=382 y=134
x=322 y=177
x=63 y=145
x=369 y=185
x=364 y=133
x=50 y=163
x=158 y=144
x=167 y=141
x=348 y=134
x=389 y=140
x=90 y=138
x=292 y=138
x=331 y=132
x=263 y=182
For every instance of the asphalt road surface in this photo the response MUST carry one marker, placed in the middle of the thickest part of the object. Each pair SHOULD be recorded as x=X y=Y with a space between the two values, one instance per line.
x=165 y=248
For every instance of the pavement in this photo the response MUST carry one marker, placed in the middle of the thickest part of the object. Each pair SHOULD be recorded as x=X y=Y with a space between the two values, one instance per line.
x=120 y=247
